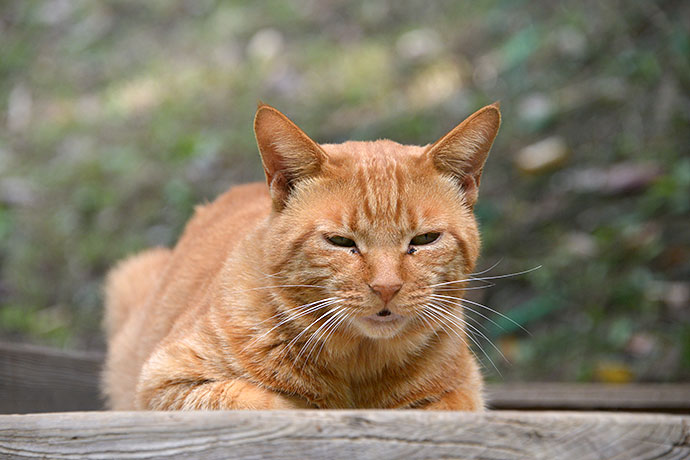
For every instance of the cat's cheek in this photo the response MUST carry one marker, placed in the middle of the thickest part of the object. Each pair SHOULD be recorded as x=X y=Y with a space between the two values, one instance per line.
x=339 y=266
x=432 y=267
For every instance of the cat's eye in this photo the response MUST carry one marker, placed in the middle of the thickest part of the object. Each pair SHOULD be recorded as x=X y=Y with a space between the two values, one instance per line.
x=341 y=241
x=424 y=238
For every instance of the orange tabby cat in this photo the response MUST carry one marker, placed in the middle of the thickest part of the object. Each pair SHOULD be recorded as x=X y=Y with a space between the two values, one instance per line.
x=313 y=292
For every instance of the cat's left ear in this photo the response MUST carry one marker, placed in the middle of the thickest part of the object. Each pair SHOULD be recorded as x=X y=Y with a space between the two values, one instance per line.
x=287 y=153
x=463 y=151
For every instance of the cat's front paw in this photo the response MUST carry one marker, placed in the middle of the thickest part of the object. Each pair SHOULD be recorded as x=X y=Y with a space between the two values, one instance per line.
x=217 y=395
x=288 y=402
x=458 y=399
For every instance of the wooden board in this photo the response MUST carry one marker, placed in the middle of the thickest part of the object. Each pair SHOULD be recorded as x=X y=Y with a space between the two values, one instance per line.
x=666 y=397
x=38 y=379
x=345 y=435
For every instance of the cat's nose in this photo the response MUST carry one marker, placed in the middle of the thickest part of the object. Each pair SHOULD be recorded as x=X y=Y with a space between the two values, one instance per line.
x=386 y=291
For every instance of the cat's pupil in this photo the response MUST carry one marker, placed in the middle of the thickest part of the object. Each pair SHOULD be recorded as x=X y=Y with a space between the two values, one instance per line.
x=424 y=238
x=341 y=241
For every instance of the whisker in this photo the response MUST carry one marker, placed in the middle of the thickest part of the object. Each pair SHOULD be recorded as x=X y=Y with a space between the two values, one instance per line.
x=283 y=312
x=428 y=320
x=433 y=313
x=443 y=308
x=493 y=311
x=439 y=319
x=472 y=288
x=315 y=306
x=321 y=331
x=425 y=321
x=435 y=319
x=507 y=275
x=467 y=317
x=470 y=278
x=325 y=339
x=488 y=269
x=337 y=312
x=294 y=340
x=444 y=314
x=270 y=275
x=443 y=298
x=279 y=286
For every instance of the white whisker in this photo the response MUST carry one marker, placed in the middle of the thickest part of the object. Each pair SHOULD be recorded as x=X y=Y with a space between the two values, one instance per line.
x=325 y=339
x=470 y=278
x=429 y=321
x=445 y=314
x=336 y=313
x=300 y=307
x=279 y=286
x=442 y=307
x=314 y=306
x=507 y=275
x=494 y=311
x=488 y=269
x=472 y=288
x=439 y=321
x=443 y=298
x=294 y=340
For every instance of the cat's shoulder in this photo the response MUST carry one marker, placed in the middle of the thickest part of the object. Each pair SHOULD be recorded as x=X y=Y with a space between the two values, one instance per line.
x=240 y=205
x=236 y=197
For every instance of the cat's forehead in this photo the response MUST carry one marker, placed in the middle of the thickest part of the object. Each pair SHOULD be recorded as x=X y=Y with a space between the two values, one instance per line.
x=373 y=154
x=384 y=188
x=377 y=174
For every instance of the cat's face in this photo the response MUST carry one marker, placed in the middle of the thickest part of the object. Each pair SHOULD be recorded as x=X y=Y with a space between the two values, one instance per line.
x=371 y=232
x=376 y=232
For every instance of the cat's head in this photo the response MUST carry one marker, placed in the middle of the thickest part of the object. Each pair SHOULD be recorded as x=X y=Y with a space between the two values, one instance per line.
x=371 y=230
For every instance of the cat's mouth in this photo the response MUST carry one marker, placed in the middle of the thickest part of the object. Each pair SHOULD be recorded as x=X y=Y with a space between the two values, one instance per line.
x=384 y=316
x=383 y=324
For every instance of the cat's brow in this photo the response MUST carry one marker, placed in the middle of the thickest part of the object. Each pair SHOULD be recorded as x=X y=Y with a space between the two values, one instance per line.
x=381 y=184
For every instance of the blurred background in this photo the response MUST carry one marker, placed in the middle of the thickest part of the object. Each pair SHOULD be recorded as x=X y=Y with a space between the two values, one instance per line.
x=116 y=117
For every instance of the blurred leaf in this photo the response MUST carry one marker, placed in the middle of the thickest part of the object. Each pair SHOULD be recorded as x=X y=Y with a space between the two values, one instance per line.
x=520 y=47
x=612 y=372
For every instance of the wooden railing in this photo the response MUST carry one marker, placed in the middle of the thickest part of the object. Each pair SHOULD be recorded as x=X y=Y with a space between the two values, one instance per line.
x=530 y=421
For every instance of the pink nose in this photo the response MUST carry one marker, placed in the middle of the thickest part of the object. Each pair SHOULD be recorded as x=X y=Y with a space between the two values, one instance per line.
x=386 y=291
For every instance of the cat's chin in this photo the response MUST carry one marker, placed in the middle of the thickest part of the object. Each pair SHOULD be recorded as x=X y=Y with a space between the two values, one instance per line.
x=381 y=327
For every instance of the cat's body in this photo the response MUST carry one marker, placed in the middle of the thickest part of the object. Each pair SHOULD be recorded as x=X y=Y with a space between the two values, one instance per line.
x=310 y=292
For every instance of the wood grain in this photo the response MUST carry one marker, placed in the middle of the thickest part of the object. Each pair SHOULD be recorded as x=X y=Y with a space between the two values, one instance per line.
x=345 y=435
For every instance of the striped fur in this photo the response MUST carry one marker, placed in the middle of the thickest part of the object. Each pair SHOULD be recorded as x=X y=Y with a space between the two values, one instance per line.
x=255 y=309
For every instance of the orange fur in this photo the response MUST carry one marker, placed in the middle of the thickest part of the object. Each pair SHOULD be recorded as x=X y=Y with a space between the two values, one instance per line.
x=255 y=308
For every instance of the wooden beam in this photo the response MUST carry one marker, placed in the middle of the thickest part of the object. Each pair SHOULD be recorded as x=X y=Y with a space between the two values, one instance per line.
x=345 y=435
x=665 y=397
x=39 y=379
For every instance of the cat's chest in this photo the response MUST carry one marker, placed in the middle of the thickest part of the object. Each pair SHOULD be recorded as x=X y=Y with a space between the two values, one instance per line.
x=361 y=386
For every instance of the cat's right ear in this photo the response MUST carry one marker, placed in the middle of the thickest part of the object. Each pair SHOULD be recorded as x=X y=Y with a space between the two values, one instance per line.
x=462 y=152
x=287 y=154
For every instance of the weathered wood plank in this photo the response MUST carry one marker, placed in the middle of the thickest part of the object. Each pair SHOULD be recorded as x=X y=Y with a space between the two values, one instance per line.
x=669 y=398
x=346 y=435
x=38 y=379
